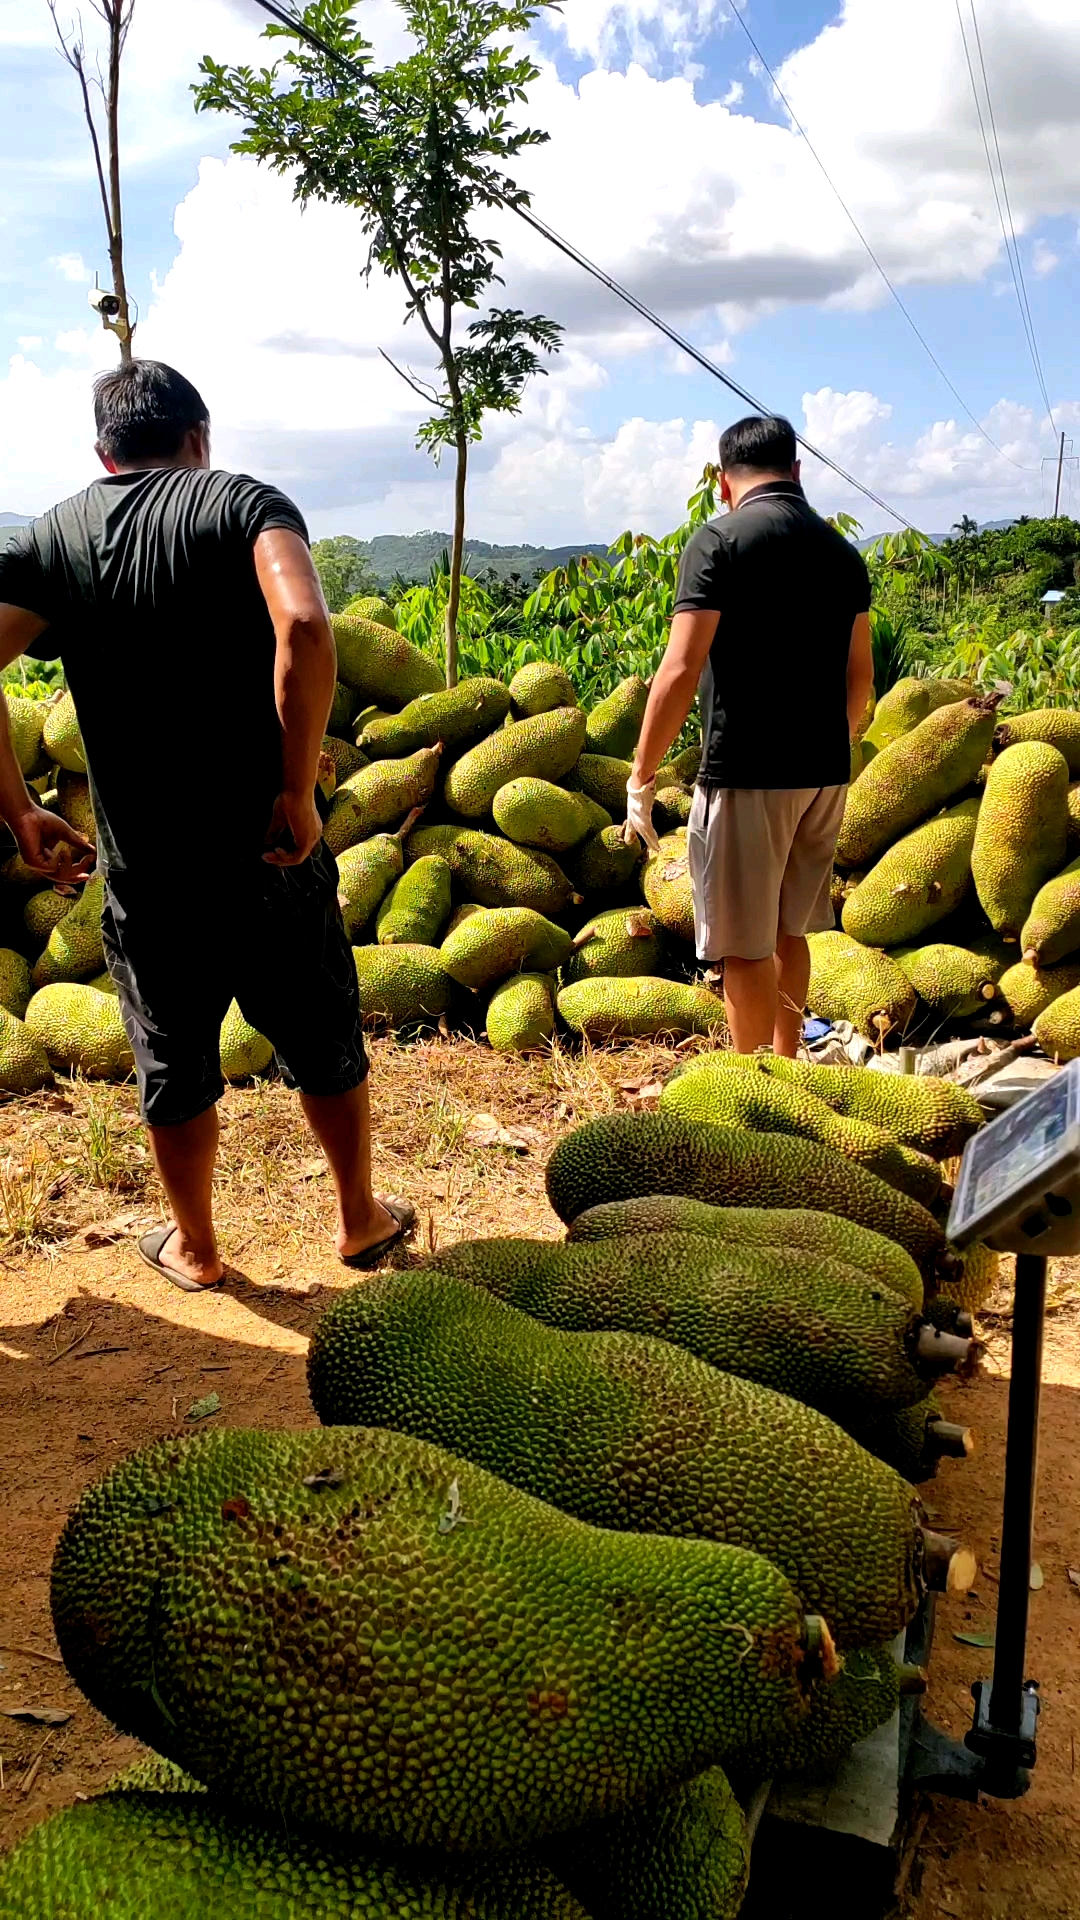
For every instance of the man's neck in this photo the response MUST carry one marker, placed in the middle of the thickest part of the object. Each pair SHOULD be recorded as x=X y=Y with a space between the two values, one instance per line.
x=740 y=488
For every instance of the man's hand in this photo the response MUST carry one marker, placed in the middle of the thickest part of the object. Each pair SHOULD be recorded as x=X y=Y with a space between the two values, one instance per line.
x=52 y=848
x=639 y=821
x=295 y=830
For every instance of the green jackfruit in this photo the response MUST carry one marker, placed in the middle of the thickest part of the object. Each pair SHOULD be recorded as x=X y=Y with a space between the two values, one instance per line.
x=24 y=1063
x=666 y=886
x=367 y=871
x=103 y=982
x=864 y=1694
x=178 y=1857
x=604 y=779
x=640 y=1007
x=933 y=1116
x=604 y=1426
x=493 y=872
x=951 y=981
x=1020 y=838
x=683 y=770
x=614 y=723
x=152 y=1773
x=456 y=717
x=44 y=911
x=795 y=1228
x=16 y=986
x=1074 y=813
x=545 y=746
x=380 y=664
x=916 y=883
x=1052 y=928
x=376 y=1638
x=622 y=1156
x=346 y=758
x=539 y=687
x=536 y=813
x=979 y=1274
x=672 y=808
x=404 y=986
x=74 y=805
x=342 y=710
x=685 y=1853
x=74 y=948
x=909 y=701
x=370 y=606
x=855 y=766
x=1029 y=990
x=81 y=1031
x=61 y=737
x=622 y=943
x=244 y=1052
x=860 y=984
x=418 y=905
x=1055 y=726
x=605 y=862
x=521 y=1014
x=461 y=914
x=502 y=941
x=378 y=796
x=26 y=718
x=914 y=1439
x=1057 y=1030
x=914 y=777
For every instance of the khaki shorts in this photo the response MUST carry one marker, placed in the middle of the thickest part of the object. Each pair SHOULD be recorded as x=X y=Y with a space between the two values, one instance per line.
x=761 y=866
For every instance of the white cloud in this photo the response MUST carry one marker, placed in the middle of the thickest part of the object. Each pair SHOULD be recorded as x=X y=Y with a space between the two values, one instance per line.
x=28 y=342
x=611 y=31
x=734 y=95
x=71 y=266
x=1043 y=258
x=78 y=343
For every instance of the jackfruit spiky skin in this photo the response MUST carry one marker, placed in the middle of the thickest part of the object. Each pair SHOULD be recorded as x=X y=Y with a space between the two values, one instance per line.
x=603 y=1425
x=638 y=1007
x=44 y=911
x=933 y=1116
x=614 y=723
x=346 y=758
x=903 y=1439
x=502 y=941
x=1055 y=726
x=1057 y=1030
x=469 y=1667
x=619 y=944
x=244 y=1052
x=24 y=1063
x=683 y=770
x=916 y=883
x=861 y=984
x=493 y=872
x=794 y=1228
x=605 y=862
x=521 y=1014
x=1028 y=990
x=914 y=777
x=81 y=1031
x=603 y=777
x=26 y=718
x=458 y=716
x=371 y=606
x=179 y=1857
x=972 y=1287
x=74 y=805
x=74 y=948
x=666 y=886
x=539 y=687
x=908 y=702
x=672 y=808
x=378 y=796
x=1022 y=830
x=864 y=1695
x=1052 y=928
x=536 y=813
x=381 y=664
x=342 y=710
x=152 y=1773
x=16 y=985
x=365 y=873
x=951 y=981
x=404 y=986
x=856 y=764
x=417 y=907
x=737 y=1091
x=622 y=1156
x=461 y=914
x=61 y=737
x=685 y=1853
x=545 y=746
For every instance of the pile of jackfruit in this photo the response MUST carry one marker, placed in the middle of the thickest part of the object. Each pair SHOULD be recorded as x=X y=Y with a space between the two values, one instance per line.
x=958 y=878
x=595 y=1537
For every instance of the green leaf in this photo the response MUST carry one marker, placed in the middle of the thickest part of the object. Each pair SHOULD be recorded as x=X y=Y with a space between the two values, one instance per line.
x=202 y=1409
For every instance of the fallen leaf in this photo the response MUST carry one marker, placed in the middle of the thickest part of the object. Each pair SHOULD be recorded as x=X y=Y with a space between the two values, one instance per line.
x=484 y=1130
x=974 y=1639
x=311 y=1170
x=1074 y=1576
x=103 y=1232
x=44 y=1716
x=1036 y=1580
x=201 y=1409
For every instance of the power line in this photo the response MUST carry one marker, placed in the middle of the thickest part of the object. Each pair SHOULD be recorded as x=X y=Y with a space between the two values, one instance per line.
x=889 y=282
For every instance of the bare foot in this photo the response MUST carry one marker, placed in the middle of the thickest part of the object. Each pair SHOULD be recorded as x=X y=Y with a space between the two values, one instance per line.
x=182 y=1259
x=381 y=1225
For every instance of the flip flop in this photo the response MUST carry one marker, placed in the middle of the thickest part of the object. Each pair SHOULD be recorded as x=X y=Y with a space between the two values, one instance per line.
x=150 y=1247
x=405 y=1214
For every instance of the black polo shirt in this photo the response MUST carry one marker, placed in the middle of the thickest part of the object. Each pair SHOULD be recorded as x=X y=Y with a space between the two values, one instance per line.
x=788 y=589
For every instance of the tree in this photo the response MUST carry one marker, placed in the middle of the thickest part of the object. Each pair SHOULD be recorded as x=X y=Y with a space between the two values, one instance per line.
x=344 y=570
x=116 y=15
x=966 y=527
x=416 y=149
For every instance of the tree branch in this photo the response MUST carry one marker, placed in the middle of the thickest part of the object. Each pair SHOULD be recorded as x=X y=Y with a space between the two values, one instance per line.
x=75 y=55
x=427 y=394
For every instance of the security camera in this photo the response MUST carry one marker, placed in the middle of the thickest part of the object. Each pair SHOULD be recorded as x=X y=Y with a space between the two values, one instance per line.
x=104 y=302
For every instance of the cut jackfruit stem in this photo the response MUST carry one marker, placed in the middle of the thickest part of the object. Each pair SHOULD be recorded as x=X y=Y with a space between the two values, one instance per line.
x=945 y=1440
x=937 y=1352
x=911 y=1680
x=408 y=824
x=821 y=1660
x=949 y=1567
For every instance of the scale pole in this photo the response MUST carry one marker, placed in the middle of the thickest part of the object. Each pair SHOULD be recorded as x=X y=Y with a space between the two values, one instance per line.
x=1021 y=1466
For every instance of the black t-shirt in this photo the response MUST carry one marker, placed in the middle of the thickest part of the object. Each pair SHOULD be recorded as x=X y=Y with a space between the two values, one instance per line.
x=148 y=583
x=788 y=589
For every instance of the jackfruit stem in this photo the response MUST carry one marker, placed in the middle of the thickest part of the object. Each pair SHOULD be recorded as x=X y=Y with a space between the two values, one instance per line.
x=936 y=1352
x=911 y=1680
x=950 y=1568
x=408 y=824
x=820 y=1658
x=945 y=1440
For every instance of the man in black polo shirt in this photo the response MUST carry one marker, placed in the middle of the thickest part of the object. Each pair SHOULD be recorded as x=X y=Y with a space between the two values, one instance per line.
x=198 y=649
x=772 y=619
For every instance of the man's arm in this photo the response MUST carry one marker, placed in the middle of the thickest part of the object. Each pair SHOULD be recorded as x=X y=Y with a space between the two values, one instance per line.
x=671 y=697
x=305 y=668
x=47 y=844
x=860 y=673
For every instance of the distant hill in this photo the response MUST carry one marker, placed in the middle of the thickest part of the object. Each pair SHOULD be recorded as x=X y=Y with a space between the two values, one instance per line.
x=8 y=523
x=412 y=555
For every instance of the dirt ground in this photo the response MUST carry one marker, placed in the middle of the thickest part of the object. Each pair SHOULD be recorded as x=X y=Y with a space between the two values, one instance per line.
x=100 y=1356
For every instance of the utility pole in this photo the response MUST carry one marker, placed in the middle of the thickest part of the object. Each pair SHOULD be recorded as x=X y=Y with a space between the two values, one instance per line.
x=1061 y=463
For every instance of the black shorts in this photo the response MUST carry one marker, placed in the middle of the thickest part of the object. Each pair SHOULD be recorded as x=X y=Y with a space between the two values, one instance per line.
x=180 y=950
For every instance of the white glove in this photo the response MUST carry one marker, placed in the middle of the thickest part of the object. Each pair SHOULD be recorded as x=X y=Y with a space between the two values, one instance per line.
x=639 y=821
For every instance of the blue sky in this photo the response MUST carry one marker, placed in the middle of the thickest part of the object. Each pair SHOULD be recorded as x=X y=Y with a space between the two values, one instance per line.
x=672 y=163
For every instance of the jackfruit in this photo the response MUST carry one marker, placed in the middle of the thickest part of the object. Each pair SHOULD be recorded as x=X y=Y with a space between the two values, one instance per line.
x=417 y=906
x=865 y=1694
x=81 y=1031
x=951 y=981
x=367 y=871
x=970 y=1289
x=380 y=663
x=366 y=715
x=346 y=758
x=614 y=723
x=371 y=606
x=855 y=765
x=1073 y=803
x=16 y=986
x=672 y=808
x=342 y=710
x=909 y=701
x=456 y=717
x=74 y=948
x=461 y=914
x=639 y=1007
x=686 y=1852
x=860 y=984
x=180 y=1857
x=1057 y=1030
x=1029 y=990
x=629 y=1433
x=24 y=1064
x=536 y=813
x=622 y=1156
x=933 y=1116
x=103 y=982
x=501 y=941
x=244 y=1052
x=604 y=779
x=667 y=888
x=1052 y=928
x=402 y=986
x=539 y=687
x=26 y=718
x=1055 y=726
x=376 y=1638
x=493 y=872
x=683 y=770
x=42 y=912
x=545 y=746
x=74 y=805
x=1020 y=837
x=916 y=883
x=521 y=1014
x=61 y=737
x=915 y=776
x=796 y=1229
x=378 y=796
x=913 y=1440
x=619 y=944
x=605 y=862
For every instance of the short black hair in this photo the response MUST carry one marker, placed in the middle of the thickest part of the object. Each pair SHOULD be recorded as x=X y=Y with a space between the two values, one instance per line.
x=144 y=410
x=764 y=443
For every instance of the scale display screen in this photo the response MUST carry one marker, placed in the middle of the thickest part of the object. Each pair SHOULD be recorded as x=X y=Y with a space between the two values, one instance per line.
x=1006 y=1167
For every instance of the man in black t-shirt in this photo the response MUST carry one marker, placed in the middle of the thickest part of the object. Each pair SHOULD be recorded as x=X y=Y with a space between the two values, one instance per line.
x=197 y=647
x=772 y=627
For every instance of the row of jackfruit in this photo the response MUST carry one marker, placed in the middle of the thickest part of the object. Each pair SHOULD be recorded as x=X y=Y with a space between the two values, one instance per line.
x=475 y=1615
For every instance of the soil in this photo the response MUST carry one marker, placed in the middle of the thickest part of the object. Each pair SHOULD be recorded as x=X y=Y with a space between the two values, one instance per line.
x=101 y=1355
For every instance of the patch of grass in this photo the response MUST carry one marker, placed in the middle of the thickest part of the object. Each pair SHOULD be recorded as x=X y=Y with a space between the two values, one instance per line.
x=112 y=1157
x=26 y=1192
